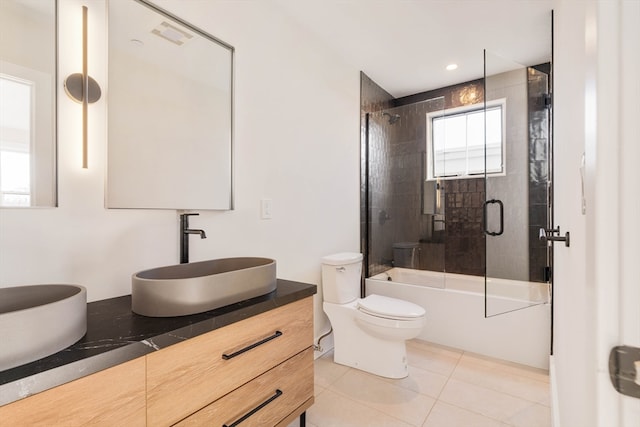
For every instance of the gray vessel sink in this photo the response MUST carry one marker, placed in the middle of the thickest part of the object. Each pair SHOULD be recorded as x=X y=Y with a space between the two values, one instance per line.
x=184 y=289
x=39 y=320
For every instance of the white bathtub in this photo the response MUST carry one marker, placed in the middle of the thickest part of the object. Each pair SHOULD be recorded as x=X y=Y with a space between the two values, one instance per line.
x=455 y=307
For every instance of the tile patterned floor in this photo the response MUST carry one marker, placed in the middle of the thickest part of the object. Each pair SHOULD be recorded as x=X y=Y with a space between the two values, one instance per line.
x=445 y=388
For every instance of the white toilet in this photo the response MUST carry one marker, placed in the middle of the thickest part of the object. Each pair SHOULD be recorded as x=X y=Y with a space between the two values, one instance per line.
x=369 y=333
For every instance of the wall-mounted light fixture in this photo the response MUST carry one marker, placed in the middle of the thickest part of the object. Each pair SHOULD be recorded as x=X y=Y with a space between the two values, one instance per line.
x=82 y=88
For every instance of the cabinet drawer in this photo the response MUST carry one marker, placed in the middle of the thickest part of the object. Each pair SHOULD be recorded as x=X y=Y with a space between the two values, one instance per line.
x=275 y=394
x=113 y=397
x=186 y=377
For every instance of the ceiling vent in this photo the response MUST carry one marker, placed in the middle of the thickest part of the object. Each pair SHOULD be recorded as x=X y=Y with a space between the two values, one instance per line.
x=173 y=34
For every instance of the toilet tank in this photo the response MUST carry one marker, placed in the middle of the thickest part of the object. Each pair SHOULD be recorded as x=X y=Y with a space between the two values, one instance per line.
x=341 y=275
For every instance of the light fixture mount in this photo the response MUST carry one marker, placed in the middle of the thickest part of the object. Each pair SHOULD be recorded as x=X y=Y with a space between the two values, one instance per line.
x=74 y=87
x=83 y=89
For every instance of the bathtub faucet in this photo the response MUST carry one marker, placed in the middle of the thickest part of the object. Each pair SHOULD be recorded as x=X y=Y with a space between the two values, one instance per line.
x=549 y=235
x=184 y=236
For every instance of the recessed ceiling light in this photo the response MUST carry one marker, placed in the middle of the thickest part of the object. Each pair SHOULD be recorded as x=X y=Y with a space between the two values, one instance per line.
x=451 y=67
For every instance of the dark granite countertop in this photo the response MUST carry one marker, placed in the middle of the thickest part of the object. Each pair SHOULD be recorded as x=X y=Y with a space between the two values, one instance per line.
x=116 y=335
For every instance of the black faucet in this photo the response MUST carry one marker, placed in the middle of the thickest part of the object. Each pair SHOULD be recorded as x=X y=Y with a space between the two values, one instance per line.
x=184 y=236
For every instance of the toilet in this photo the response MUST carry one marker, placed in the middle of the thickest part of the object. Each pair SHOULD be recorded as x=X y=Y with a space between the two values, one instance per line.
x=369 y=333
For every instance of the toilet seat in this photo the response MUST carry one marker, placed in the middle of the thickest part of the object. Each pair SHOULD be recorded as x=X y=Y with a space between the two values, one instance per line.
x=390 y=308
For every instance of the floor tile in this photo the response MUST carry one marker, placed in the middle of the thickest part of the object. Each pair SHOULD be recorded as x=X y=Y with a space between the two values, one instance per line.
x=514 y=368
x=374 y=392
x=445 y=415
x=326 y=371
x=494 y=376
x=533 y=416
x=317 y=389
x=432 y=358
x=480 y=400
x=445 y=388
x=296 y=423
x=334 y=410
x=422 y=381
x=436 y=348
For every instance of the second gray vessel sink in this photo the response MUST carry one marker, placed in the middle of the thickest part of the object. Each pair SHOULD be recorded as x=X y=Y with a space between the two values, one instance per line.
x=39 y=320
x=184 y=289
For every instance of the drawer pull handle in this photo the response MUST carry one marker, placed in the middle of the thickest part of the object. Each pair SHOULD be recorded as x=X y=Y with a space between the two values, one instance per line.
x=277 y=394
x=250 y=347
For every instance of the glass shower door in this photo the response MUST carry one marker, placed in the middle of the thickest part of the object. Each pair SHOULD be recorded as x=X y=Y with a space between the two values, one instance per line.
x=516 y=163
x=405 y=213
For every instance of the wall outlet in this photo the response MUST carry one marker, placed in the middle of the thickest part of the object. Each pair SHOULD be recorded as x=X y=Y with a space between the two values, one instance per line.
x=266 y=206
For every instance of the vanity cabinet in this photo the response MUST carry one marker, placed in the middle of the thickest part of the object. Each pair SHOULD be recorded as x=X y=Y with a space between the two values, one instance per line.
x=187 y=377
x=277 y=392
x=264 y=361
x=113 y=397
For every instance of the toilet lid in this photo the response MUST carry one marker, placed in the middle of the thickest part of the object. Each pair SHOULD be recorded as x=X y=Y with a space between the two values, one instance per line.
x=343 y=258
x=391 y=308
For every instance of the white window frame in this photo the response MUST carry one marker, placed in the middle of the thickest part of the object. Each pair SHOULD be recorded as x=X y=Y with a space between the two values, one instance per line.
x=502 y=103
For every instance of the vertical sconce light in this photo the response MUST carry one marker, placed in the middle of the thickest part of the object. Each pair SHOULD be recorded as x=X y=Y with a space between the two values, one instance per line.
x=82 y=88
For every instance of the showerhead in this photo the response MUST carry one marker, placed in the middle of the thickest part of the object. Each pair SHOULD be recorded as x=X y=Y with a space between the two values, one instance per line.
x=393 y=118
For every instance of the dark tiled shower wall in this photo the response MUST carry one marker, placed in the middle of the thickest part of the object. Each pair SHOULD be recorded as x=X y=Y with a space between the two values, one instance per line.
x=372 y=98
x=396 y=175
x=465 y=247
x=395 y=165
x=538 y=83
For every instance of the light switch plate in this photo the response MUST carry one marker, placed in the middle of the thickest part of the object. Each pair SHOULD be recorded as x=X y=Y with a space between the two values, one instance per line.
x=266 y=206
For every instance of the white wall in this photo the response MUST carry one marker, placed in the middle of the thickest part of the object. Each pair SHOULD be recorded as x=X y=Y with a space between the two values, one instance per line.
x=597 y=57
x=296 y=142
x=574 y=323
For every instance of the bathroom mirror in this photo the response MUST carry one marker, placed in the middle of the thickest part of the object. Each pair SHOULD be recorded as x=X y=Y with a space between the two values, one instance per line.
x=169 y=106
x=28 y=103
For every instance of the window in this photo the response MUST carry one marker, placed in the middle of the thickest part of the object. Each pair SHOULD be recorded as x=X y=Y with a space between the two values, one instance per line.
x=15 y=141
x=456 y=141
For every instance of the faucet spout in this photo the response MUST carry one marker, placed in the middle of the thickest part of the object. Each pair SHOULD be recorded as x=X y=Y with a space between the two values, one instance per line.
x=184 y=236
x=202 y=234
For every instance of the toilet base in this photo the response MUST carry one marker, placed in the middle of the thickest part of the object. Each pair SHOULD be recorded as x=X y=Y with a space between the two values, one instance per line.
x=389 y=360
x=356 y=348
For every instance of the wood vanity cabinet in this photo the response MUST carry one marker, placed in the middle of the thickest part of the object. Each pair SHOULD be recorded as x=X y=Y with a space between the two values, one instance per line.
x=277 y=392
x=187 y=377
x=113 y=397
x=218 y=378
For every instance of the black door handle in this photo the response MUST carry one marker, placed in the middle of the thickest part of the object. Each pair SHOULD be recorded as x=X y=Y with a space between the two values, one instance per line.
x=484 y=217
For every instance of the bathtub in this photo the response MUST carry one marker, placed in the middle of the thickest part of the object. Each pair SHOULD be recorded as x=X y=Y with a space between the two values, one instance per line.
x=455 y=305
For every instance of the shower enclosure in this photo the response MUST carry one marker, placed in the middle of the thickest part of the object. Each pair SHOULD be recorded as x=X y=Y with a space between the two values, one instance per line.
x=457 y=181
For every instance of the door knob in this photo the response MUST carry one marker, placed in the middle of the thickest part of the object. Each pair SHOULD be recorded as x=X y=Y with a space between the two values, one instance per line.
x=624 y=370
